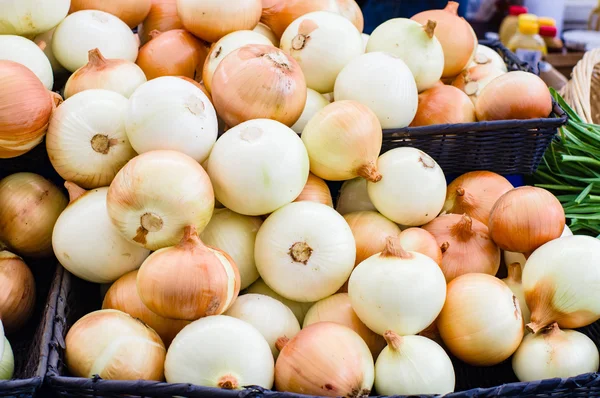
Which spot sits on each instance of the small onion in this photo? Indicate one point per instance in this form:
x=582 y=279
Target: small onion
x=420 y=241
x=299 y=309
x=26 y=52
x=314 y=103
x=315 y=190
x=44 y=41
x=353 y=196
x=7 y=362
x=17 y=292
x=514 y=282
x=473 y=80
x=162 y=17
x=132 y=12
x=264 y=30
x=443 y=105
x=485 y=55
x=31 y=17
x=512 y=257
x=114 y=346
x=258 y=81
x=29 y=208
x=370 y=230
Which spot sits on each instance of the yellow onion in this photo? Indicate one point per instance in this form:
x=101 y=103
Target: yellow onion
x=114 y=346
x=473 y=80
x=172 y=53
x=264 y=30
x=513 y=280
x=132 y=12
x=299 y=309
x=325 y=359
x=443 y=105
x=258 y=81
x=420 y=241
x=162 y=17
x=29 y=208
x=188 y=281
x=17 y=292
x=315 y=190
x=123 y=296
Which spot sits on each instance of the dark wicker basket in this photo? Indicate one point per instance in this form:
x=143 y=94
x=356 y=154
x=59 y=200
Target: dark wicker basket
x=505 y=147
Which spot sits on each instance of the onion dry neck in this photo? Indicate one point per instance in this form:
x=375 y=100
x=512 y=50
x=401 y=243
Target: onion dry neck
x=394 y=249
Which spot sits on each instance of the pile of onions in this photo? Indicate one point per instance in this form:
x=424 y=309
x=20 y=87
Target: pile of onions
x=270 y=170
x=235 y=234
x=413 y=365
x=420 y=241
x=343 y=141
x=162 y=17
x=454 y=33
x=44 y=41
x=87 y=244
x=212 y=19
x=123 y=296
x=525 y=218
x=171 y=113
x=7 y=361
x=315 y=190
x=264 y=30
x=258 y=81
x=27 y=108
x=555 y=353
x=299 y=309
x=560 y=282
x=26 y=52
x=220 y=351
x=314 y=103
x=338 y=309
x=527 y=97
x=513 y=280
x=114 y=345
x=485 y=55
x=27 y=18
x=29 y=208
x=481 y=321
x=413 y=188
x=17 y=292
x=443 y=105
x=415 y=44
x=475 y=193
x=397 y=290
x=325 y=359
x=382 y=82
x=473 y=80
x=311 y=36
x=116 y=75
x=132 y=12
x=188 y=281
x=86 y=139
x=156 y=195
x=172 y=53
x=513 y=257
x=305 y=251
x=353 y=196
x=93 y=29
x=270 y=317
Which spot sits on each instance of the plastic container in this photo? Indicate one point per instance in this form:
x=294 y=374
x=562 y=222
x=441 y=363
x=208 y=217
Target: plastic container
x=550 y=8
x=527 y=44
x=510 y=24
x=553 y=43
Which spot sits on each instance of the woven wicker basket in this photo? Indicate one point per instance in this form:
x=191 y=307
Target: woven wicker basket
x=582 y=92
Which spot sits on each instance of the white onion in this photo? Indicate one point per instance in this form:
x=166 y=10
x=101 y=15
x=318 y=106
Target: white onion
x=26 y=52
x=44 y=41
x=86 y=139
x=323 y=43
x=484 y=55
x=365 y=38
x=314 y=103
x=305 y=251
x=270 y=168
x=512 y=257
x=354 y=197
x=220 y=351
x=299 y=309
x=31 y=17
x=92 y=29
x=171 y=113
x=7 y=361
x=267 y=32
x=382 y=82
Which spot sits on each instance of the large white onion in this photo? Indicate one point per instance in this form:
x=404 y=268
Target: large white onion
x=270 y=168
x=299 y=309
x=31 y=17
x=171 y=113
x=26 y=52
x=7 y=361
x=384 y=83
x=305 y=251
x=354 y=197
x=93 y=29
x=44 y=41
x=323 y=43
x=314 y=103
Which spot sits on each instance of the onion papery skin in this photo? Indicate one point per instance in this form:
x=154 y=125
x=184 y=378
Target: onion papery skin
x=305 y=251
x=220 y=351
x=87 y=244
x=123 y=296
x=26 y=52
x=44 y=41
x=162 y=17
x=29 y=208
x=265 y=83
x=17 y=292
x=481 y=321
x=132 y=12
x=415 y=44
x=264 y=30
x=443 y=105
x=212 y=19
x=115 y=75
x=86 y=139
x=382 y=82
x=114 y=346
x=560 y=281
x=31 y=17
x=26 y=109
x=475 y=193
x=474 y=79
x=172 y=53
x=343 y=141
x=271 y=168
x=93 y=29
x=325 y=359
x=555 y=353
x=485 y=55
x=315 y=190
x=156 y=195
x=322 y=43
x=515 y=284
x=525 y=96
x=299 y=309
x=315 y=102
x=455 y=35
x=338 y=309
x=420 y=241
x=512 y=257
x=412 y=189
x=353 y=196
x=7 y=362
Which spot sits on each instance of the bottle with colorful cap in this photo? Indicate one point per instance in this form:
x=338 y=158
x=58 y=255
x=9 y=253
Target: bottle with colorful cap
x=527 y=43
x=550 y=36
x=510 y=24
